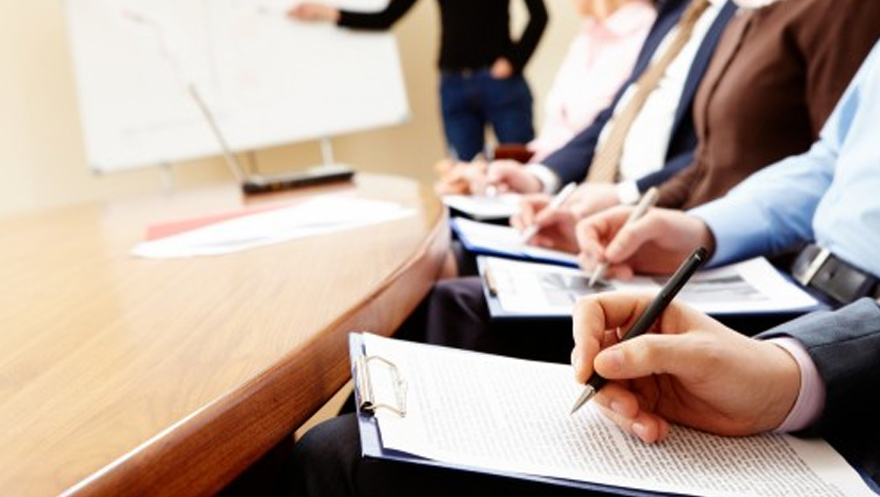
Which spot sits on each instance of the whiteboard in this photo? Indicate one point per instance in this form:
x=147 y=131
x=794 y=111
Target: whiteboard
x=268 y=80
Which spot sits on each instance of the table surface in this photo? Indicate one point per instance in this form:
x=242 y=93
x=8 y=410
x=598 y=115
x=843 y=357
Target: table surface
x=122 y=375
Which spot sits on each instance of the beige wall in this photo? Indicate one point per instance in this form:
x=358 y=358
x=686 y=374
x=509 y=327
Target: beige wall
x=42 y=160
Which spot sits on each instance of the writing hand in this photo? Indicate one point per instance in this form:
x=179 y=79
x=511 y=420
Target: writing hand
x=454 y=177
x=689 y=370
x=511 y=176
x=654 y=244
x=555 y=226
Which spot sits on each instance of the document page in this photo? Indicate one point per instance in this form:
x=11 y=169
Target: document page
x=492 y=238
x=534 y=289
x=503 y=414
x=483 y=207
x=316 y=216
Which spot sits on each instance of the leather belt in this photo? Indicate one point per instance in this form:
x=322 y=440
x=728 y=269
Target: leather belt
x=816 y=267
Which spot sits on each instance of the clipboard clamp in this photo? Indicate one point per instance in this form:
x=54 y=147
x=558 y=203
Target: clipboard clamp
x=365 y=386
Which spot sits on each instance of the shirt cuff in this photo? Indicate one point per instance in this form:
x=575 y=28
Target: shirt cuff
x=628 y=192
x=550 y=181
x=811 y=396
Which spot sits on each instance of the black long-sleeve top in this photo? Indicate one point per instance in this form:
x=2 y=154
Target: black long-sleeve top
x=474 y=33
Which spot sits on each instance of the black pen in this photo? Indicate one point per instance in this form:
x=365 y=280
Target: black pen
x=646 y=320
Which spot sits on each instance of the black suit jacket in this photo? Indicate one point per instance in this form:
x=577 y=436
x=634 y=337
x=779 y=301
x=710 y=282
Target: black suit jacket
x=845 y=346
x=571 y=162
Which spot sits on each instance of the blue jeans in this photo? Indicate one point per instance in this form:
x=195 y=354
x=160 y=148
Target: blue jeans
x=474 y=99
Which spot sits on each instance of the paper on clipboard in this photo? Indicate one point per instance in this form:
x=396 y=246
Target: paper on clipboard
x=530 y=289
x=500 y=415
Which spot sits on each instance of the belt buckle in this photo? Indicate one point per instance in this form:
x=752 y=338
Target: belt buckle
x=815 y=265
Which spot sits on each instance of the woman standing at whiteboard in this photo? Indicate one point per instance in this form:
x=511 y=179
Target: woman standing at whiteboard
x=481 y=67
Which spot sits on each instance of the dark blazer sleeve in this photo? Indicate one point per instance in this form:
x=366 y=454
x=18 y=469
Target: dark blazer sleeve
x=380 y=20
x=845 y=346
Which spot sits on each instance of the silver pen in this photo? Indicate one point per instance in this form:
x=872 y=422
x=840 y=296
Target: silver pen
x=557 y=200
x=646 y=202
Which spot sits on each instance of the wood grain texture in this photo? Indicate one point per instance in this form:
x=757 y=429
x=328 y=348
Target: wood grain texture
x=128 y=376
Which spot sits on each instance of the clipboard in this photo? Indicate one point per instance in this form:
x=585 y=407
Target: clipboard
x=491 y=290
x=735 y=294
x=371 y=437
x=502 y=241
x=813 y=464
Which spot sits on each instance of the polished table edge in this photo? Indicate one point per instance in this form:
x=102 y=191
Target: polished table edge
x=204 y=452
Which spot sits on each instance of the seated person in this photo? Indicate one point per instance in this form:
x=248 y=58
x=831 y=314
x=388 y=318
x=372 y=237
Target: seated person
x=822 y=198
x=598 y=61
x=713 y=379
x=679 y=58
x=796 y=95
x=808 y=376
x=458 y=315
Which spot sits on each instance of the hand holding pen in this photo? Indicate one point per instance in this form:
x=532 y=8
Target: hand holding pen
x=649 y=316
x=532 y=229
x=656 y=243
x=688 y=370
x=648 y=200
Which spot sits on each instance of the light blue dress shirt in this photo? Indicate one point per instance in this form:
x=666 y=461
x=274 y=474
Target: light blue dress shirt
x=830 y=194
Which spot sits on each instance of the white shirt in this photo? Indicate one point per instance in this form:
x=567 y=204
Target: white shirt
x=599 y=59
x=644 y=150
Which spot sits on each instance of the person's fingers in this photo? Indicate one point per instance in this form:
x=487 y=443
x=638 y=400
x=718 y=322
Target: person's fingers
x=588 y=263
x=594 y=232
x=529 y=206
x=526 y=215
x=500 y=172
x=548 y=217
x=593 y=315
x=588 y=329
x=630 y=238
x=649 y=354
x=622 y=408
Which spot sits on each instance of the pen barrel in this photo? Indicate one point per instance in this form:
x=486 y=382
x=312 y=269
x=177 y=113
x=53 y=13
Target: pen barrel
x=597 y=381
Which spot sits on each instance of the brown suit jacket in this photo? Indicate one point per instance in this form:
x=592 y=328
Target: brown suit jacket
x=773 y=81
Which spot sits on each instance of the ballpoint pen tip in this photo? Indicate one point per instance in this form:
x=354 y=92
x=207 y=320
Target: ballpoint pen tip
x=585 y=396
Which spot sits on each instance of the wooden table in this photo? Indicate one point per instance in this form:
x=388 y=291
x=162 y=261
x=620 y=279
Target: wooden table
x=129 y=376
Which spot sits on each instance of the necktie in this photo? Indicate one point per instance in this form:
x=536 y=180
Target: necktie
x=607 y=158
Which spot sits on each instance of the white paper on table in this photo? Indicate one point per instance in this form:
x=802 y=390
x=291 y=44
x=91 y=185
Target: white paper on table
x=316 y=216
x=485 y=207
